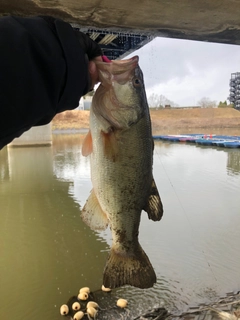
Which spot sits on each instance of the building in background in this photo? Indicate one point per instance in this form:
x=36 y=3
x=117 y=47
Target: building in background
x=85 y=103
x=234 y=96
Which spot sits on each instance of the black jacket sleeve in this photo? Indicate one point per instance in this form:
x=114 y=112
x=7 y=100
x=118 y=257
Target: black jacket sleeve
x=43 y=71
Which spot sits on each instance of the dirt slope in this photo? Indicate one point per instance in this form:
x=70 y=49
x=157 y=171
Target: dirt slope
x=75 y=119
x=195 y=118
x=165 y=118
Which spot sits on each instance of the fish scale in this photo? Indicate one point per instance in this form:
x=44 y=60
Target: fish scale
x=120 y=146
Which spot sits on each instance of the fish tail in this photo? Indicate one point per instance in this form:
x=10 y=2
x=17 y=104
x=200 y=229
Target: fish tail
x=133 y=269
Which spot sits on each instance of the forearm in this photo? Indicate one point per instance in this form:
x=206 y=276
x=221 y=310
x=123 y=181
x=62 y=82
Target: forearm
x=43 y=72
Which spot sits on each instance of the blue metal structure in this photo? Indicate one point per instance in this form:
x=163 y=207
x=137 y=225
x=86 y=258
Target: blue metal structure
x=201 y=139
x=116 y=45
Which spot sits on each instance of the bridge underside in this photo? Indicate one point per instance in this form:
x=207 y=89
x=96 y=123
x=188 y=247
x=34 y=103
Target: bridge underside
x=131 y=24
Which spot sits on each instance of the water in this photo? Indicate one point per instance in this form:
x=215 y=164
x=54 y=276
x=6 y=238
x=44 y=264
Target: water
x=47 y=253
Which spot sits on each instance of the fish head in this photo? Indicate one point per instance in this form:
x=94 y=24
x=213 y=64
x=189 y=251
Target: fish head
x=120 y=99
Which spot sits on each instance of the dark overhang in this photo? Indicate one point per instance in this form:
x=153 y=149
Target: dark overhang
x=116 y=45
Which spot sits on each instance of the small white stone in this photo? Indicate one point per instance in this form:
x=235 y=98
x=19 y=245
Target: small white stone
x=83 y=296
x=76 y=306
x=64 y=310
x=79 y=315
x=122 y=303
x=106 y=289
x=92 y=304
x=91 y=312
x=84 y=289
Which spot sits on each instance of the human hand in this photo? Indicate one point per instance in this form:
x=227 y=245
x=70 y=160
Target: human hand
x=94 y=54
x=90 y=47
x=93 y=72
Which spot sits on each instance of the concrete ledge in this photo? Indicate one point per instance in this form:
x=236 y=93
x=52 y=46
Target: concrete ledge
x=34 y=137
x=30 y=144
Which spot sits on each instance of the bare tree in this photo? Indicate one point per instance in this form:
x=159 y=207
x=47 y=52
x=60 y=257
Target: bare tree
x=153 y=101
x=159 y=101
x=207 y=103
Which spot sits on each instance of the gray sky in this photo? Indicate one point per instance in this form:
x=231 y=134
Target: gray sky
x=186 y=71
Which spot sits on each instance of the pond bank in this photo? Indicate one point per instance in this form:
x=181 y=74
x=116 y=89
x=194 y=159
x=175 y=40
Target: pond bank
x=162 y=120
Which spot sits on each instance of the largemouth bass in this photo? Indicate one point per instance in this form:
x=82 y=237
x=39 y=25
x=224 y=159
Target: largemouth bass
x=120 y=145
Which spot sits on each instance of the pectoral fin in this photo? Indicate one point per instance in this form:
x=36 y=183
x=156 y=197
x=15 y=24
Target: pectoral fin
x=154 y=207
x=93 y=215
x=87 y=147
x=110 y=145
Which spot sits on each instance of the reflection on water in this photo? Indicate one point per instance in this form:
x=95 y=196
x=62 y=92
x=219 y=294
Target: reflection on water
x=233 y=161
x=4 y=168
x=48 y=253
x=202 y=211
x=233 y=158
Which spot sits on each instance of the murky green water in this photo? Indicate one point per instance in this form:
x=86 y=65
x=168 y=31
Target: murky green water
x=47 y=253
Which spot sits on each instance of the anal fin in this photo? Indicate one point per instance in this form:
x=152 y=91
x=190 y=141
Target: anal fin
x=93 y=215
x=154 y=207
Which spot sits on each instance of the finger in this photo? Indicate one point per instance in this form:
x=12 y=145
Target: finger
x=92 y=67
x=93 y=73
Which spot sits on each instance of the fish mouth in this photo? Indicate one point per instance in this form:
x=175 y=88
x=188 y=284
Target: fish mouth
x=116 y=100
x=119 y=70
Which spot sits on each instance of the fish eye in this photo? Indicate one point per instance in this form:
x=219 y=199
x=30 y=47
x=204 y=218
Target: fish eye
x=137 y=82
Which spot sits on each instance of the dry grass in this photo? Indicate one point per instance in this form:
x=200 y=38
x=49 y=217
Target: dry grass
x=195 y=118
x=165 y=118
x=68 y=120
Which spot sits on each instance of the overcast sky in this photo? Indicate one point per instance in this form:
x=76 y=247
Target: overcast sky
x=185 y=71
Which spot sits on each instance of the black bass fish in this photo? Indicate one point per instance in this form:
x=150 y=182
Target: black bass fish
x=120 y=145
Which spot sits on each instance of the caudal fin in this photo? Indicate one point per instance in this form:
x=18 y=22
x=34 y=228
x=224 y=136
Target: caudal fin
x=133 y=269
